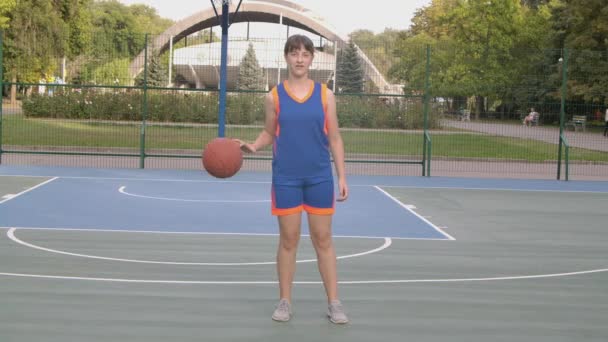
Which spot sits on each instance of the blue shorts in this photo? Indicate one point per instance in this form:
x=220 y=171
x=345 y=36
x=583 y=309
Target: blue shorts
x=314 y=197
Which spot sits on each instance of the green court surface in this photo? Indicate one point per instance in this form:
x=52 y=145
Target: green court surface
x=524 y=266
x=13 y=185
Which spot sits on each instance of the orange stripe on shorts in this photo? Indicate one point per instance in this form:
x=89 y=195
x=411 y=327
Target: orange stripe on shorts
x=319 y=211
x=288 y=211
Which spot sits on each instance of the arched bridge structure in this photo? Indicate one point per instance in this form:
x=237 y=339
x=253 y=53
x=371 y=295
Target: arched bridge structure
x=268 y=11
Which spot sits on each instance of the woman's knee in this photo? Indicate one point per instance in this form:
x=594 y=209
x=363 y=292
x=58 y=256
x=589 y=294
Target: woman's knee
x=321 y=240
x=289 y=241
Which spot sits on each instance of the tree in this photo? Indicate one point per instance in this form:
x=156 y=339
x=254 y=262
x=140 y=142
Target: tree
x=350 y=71
x=474 y=46
x=147 y=19
x=534 y=4
x=35 y=38
x=114 y=32
x=157 y=73
x=431 y=19
x=581 y=27
x=486 y=31
x=119 y=30
x=377 y=47
x=114 y=72
x=251 y=75
x=76 y=15
x=531 y=58
x=6 y=6
x=410 y=69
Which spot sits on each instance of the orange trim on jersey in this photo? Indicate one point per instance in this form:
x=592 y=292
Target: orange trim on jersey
x=305 y=98
x=288 y=211
x=277 y=109
x=319 y=211
x=324 y=102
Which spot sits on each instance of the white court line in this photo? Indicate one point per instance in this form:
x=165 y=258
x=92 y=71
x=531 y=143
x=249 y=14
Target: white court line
x=11 y=235
x=488 y=189
x=93 y=229
x=31 y=176
x=344 y=282
x=407 y=207
x=126 y=231
x=350 y=185
x=122 y=191
x=28 y=190
x=152 y=179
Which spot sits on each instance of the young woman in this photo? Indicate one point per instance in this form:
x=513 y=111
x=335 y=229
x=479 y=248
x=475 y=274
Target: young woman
x=302 y=126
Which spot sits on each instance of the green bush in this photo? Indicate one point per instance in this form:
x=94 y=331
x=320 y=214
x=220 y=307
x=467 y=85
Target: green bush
x=124 y=105
x=382 y=112
x=245 y=108
x=202 y=107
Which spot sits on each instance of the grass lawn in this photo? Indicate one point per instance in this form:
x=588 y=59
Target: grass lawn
x=20 y=131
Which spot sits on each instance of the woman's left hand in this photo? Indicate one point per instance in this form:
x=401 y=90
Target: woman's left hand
x=343 y=187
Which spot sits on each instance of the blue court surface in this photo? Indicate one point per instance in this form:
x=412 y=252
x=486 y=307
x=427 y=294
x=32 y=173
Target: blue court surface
x=191 y=202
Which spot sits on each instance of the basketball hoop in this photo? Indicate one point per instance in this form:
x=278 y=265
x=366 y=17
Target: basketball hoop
x=218 y=5
x=221 y=2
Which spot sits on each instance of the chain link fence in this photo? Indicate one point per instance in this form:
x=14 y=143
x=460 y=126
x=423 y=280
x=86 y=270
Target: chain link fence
x=154 y=104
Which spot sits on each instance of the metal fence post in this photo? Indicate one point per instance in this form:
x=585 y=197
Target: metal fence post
x=335 y=67
x=1 y=87
x=562 y=111
x=426 y=170
x=142 y=141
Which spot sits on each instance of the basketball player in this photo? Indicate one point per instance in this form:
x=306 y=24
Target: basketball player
x=302 y=126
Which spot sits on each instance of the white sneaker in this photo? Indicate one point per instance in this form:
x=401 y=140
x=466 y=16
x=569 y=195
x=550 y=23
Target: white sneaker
x=283 y=311
x=335 y=312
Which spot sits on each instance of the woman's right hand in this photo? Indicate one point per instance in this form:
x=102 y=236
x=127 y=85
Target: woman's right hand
x=246 y=147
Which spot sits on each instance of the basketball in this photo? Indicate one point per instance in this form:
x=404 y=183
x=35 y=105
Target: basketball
x=222 y=157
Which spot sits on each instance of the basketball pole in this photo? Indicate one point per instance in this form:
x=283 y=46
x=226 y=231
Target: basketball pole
x=223 y=70
x=225 y=24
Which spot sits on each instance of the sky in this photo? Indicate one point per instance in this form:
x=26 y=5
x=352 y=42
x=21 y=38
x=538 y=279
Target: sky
x=358 y=14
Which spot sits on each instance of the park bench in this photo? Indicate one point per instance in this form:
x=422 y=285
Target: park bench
x=577 y=121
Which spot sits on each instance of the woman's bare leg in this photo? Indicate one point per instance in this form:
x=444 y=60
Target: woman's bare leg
x=320 y=234
x=289 y=226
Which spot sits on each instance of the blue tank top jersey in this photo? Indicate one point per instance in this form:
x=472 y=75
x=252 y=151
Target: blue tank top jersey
x=301 y=146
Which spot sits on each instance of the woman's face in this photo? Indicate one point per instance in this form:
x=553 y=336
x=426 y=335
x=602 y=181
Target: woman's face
x=299 y=61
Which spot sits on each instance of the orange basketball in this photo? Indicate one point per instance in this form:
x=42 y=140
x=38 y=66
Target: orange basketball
x=222 y=157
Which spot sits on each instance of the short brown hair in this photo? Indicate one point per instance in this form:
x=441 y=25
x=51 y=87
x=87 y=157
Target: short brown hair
x=297 y=41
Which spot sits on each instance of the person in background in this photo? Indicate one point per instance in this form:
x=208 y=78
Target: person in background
x=531 y=117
